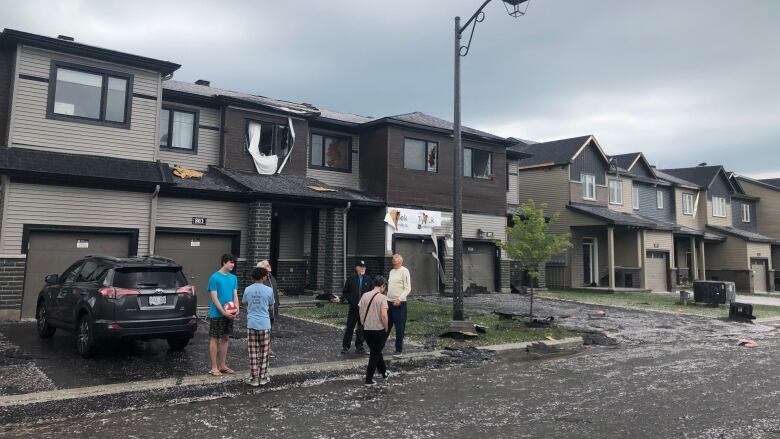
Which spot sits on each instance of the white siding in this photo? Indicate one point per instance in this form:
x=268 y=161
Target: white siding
x=67 y=206
x=349 y=180
x=221 y=215
x=208 y=142
x=513 y=194
x=32 y=129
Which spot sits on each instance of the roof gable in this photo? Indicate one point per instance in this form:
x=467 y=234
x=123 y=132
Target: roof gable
x=555 y=152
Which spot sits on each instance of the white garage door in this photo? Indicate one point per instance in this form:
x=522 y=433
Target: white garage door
x=656 y=267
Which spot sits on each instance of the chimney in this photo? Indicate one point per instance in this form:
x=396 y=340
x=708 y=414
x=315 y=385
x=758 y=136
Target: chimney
x=65 y=38
x=701 y=165
x=203 y=82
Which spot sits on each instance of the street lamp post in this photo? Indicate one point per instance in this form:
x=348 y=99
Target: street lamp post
x=513 y=8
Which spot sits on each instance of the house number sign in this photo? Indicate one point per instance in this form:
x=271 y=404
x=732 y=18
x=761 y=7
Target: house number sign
x=199 y=221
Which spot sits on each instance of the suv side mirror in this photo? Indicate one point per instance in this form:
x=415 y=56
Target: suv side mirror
x=52 y=279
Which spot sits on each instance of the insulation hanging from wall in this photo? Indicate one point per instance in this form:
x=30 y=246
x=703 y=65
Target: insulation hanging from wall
x=292 y=145
x=265 y=164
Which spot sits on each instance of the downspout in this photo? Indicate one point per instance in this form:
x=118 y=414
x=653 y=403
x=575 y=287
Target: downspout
x=153 y=218
x=344 y=233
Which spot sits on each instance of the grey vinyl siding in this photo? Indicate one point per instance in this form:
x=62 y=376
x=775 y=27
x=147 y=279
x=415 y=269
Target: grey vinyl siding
x=32 y=129
x=68 y=206
x=291 y=235
x=208 y=141
x=736 y=215
x=512 y=194
x=648 y=204
x=641 y=169
x=220 y=215
x=589 y=161
x=719 y=188
x=488 y=223
x=349 y=180
x=717 y=220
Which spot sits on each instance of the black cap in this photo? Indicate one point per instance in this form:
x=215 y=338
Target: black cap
x=360 y=263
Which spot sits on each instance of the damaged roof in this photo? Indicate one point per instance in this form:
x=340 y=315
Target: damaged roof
x=422 y=120
x=27 y=163
x=211 y=182
x=286 y=186
x=172 y=87
x=339 y=116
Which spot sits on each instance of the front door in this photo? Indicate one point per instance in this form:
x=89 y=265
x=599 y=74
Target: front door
x=589 y=261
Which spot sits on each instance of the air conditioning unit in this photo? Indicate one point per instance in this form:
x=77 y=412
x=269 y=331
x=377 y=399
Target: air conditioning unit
x=714 y=292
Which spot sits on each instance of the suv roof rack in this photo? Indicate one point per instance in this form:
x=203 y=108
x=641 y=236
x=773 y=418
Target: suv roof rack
x=110 y=258
x=160 y=258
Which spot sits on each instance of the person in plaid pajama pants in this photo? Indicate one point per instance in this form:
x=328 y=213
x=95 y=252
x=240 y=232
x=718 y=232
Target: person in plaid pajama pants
x=259 y=299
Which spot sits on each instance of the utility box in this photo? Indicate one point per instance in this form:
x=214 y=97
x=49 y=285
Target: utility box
x=714 y=292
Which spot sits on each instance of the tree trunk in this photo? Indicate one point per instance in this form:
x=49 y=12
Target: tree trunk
x=531 y=312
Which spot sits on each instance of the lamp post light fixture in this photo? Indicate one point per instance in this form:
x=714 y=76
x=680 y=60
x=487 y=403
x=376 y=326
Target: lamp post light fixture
x=515 y=8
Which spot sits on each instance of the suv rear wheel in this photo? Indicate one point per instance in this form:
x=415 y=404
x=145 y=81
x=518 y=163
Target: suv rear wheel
x=85 y=339
x=178 y=343
x=45 y=330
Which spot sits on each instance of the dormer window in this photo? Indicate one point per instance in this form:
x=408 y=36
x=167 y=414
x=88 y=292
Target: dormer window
x=719 y=207
x=89 y=95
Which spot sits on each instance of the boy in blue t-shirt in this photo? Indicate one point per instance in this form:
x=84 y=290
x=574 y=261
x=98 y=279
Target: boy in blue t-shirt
x=260 y=305
x=223 y=287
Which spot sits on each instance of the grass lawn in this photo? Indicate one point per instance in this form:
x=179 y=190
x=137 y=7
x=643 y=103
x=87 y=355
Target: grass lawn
x=654 y=301
x=425 y=318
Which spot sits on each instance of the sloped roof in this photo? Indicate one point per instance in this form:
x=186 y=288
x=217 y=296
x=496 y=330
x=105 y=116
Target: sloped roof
x=426 y=120
x=744 y=234
x=28 y=163
x=292 y=186
x=555 y=152
x=626 y=160
x=218 y=94
x=707 y=235
x=772 y=181
x=620 y=218
x=702 y=176
x=212 y=181
x=343 y=117
x=674 y=179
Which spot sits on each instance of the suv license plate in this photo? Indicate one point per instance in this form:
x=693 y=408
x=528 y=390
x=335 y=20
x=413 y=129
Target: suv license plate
x=156 y=300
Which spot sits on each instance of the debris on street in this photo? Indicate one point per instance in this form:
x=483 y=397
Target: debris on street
x=748 y=343
x=598 y=339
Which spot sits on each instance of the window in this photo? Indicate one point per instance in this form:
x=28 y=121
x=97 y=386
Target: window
x=330 y=152
x=745 y=213
x=69 y=275
x=92 y=272
x=687 y=203
x=635 y=198
x=659 y=199
x=719 y=207
x=421 y=155
x=588 y=186
x=271 y=139
x=615 y=192
x=89 y=95
x=178 y=129
x=477 y=163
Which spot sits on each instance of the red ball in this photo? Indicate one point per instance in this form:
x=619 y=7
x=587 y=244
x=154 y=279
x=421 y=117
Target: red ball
x=231 y=307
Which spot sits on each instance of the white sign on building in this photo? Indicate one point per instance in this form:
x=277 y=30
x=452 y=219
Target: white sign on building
x=413 y=221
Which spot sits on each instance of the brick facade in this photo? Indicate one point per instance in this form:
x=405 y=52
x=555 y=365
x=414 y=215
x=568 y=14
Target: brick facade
x=375 y=265
x=258 y=242
x=333 y=263
x=11 y=287
x=291 y=274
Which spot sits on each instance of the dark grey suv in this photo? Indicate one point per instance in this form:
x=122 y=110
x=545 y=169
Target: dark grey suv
x=102 y=297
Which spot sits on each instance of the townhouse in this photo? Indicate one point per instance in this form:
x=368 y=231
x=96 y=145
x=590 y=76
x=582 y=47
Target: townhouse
x=95 y=145
x=601 y=205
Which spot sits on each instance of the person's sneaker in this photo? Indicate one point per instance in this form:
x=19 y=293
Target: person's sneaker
x=397 y=354
x=369 y=383
x=386 y=375
x=271 y=354
x=360 y=351
x=264 y=381
x=254 y=382
x=344 y=351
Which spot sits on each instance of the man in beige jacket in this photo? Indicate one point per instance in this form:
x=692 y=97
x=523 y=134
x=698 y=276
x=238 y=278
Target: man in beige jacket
x=399 y=285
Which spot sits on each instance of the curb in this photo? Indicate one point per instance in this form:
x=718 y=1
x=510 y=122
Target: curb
x=341 y=328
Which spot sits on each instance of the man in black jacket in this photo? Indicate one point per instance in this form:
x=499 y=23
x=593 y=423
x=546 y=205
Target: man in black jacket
x=354 y=287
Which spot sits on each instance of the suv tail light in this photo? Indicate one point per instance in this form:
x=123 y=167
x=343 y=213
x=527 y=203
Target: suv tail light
x=113 y=293
x=187 y=289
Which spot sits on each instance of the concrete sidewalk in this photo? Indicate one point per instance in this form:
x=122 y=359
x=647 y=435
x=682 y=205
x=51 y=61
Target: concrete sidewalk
x=771 y=300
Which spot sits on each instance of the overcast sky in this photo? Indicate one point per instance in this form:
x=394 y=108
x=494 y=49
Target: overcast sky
x=683 y=81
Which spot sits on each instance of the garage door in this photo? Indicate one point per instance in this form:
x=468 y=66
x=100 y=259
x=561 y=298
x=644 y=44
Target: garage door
x=53 y=252
x=759 y=275
x=198 y=254
x=479 y=265
x=656 y=267
x=418 y=258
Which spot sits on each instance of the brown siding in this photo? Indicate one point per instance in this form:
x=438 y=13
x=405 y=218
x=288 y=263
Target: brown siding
x=683 y=219
x=235 y=156
x=767 y=209
x=602 y=194
x=373 y=161
x=7 y=59
x=434 y=189
x=728 y=255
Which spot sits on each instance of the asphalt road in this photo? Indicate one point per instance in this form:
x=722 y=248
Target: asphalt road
x=669 y=376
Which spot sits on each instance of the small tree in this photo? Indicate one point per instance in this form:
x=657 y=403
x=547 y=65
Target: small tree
x=529 y=243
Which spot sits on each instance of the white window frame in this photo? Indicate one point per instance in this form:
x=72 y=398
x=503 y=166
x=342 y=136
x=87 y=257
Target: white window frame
x=618 y=186
x=659 y=199
x=746 y=213
x=687 y=208
x=719 y=207
x=635 y=198
x=588 y=181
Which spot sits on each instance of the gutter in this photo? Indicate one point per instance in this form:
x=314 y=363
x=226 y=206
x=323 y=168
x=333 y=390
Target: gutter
x=153 y=218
